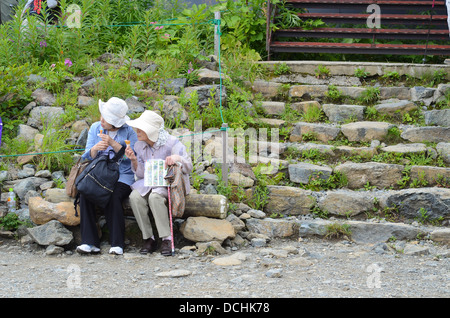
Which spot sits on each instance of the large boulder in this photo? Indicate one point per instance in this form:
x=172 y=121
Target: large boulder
x=203 y=229
x=42 y=211
x=51 y=233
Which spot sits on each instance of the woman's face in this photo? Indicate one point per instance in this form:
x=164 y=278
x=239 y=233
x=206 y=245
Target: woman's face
x=142 y=136
x=105 y=125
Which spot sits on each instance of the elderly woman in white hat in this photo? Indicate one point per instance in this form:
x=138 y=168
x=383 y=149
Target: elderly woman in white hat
x=105 y=135
x=154 y=142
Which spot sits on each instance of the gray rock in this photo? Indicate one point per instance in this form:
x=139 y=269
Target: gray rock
x=274 y=273
x=366 y=130
x=84 y=101
x=54 y=250
x=24 y=186
x=135 y=106
x=204 y=94
x=313 y=227
x=174 y=273
x=444 y=150
x=272 y=228
x=172 y=86
x=416 y=250
x=322 y=132
x=258 y=242
x=266 y=88
x=373 y=173
x=421 y=134
x=273 y=108
x=438 y=117
x=419 y=92
x=405 y=148
x=372 y=232
x=346 y=203
x=302 y=172
x=394 y=108
x=51 y=115
x=27 y=133
x=289 y=200
x=26 y=172
x=43 y=97
x=51 y=233
x=82 y=138
x=341 y=113
x=436 y=202
x=35 y=79
x=172 y=109
x=256 y=214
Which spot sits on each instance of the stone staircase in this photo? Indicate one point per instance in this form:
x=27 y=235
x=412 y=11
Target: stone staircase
x=347 y=165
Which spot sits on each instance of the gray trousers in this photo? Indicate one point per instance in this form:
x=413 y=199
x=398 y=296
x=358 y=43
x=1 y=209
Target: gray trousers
x=154 y=203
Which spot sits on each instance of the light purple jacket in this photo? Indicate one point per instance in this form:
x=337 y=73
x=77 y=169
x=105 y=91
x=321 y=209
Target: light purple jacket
x=143 y=151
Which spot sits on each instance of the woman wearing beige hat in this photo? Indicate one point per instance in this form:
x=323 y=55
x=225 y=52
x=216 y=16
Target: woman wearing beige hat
x=154 y=142
x=105 y=135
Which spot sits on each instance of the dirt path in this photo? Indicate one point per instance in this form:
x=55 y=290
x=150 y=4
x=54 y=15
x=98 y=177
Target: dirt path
x=309 y=268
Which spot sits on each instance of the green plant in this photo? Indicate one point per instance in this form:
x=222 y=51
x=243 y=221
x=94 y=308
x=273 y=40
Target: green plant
x=333 y=94
x=10 y=222
x=322 y=71
x=370 y=95
x=361 y=73
x=313 y=114
x=320 y=213
x=337 y=230
x=281 y=69
x=391 y=77
x=393 y=135
x=55 y=144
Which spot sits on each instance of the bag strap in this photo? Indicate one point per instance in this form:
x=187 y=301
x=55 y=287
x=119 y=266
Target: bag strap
x=119 y=155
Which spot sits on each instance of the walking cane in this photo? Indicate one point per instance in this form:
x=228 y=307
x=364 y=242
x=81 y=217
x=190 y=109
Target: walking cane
x=170 y=220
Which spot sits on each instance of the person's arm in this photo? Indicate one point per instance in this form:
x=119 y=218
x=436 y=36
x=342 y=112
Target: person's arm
x=179 y=154
x=93 y=144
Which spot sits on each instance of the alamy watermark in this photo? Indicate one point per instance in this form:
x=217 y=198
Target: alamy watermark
x=74 y=278
x=239 y=145
x=374 y=279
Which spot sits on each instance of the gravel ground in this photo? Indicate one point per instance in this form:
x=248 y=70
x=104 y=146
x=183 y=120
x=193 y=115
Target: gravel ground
x=282 y=269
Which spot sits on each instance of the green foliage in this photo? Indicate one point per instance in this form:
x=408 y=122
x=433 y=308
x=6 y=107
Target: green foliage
x=361 y=73
x=14 y=95
x=10 y=222
x=334 y=94
x=370 y=95
x=337 y=230
x=281 y=69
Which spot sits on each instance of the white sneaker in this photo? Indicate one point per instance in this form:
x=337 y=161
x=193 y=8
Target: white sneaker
x=117 y=250
x=87 y=249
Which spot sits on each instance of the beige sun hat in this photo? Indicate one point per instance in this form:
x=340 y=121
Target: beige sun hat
x=149 y=122
x=114 y=111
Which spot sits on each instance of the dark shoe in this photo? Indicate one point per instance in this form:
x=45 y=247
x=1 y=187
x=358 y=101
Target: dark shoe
x=166 y=248
x=149 y=246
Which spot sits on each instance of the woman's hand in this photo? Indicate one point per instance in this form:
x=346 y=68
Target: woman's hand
x=130 y=154
x=101 y=146
x=173 y=159
x=107 y=139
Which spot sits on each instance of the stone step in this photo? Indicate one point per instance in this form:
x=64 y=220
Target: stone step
x=409 y=204
x=363 y=232
x=340 y=68
x=274 y=89
x=373 y=174
x=366 y=131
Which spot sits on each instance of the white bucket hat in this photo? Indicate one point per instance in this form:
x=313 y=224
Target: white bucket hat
x=114 y=111
x=149 y=122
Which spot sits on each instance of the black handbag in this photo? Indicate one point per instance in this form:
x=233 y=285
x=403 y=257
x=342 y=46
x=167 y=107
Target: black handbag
x=98 y=180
